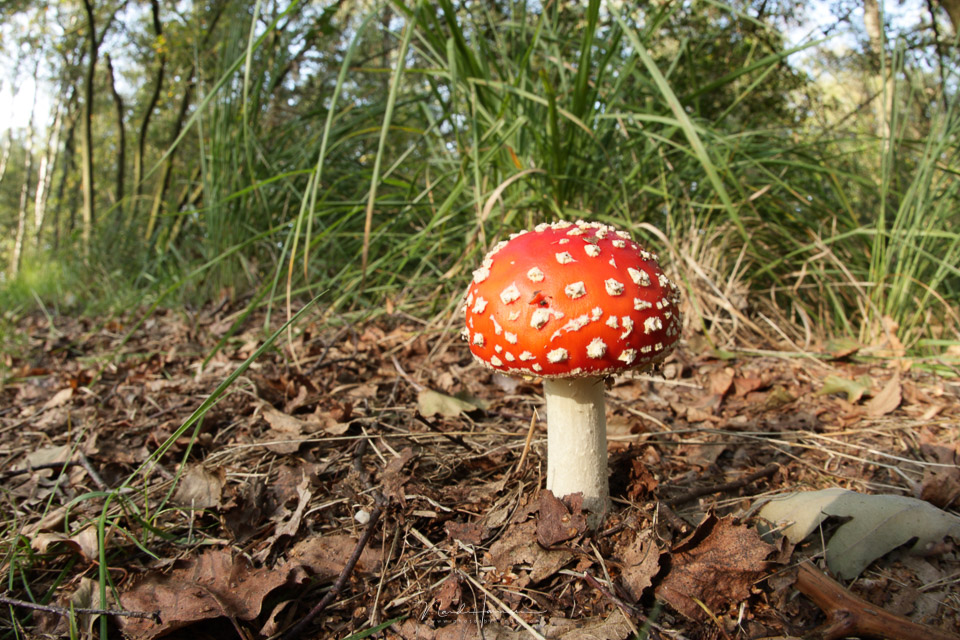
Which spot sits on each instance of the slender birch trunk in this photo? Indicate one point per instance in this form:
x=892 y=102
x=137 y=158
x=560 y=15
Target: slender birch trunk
x=86 y=131
x=5 y=154
x=45 y=174
x=17 y=254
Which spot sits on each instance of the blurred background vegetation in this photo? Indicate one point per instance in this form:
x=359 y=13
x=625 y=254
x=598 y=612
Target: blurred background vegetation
x=795 y=164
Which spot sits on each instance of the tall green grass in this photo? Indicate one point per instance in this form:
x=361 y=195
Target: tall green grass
x=391 y=162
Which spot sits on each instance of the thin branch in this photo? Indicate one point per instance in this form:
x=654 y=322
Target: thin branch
x=726 y=487
x=12 y=473
x=341 y=579
x=627 y=608
x=849 y=615
x=63 y=611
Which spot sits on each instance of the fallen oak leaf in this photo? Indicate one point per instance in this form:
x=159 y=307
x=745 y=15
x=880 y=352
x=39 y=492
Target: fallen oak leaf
x=214 y=584
x=393 y=477
x=464 y=532
x=59 y=399
x=557 y=522
x=887 y=399
x=431 y=403
x=640 y=560
x=218 y=583
x=325 y=556
x=518 y=545
x=286 y=432
x=86 y=542
x=716 y=565
x=200 y=488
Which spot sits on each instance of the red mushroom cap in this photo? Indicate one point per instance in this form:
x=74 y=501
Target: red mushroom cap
x=569 y=300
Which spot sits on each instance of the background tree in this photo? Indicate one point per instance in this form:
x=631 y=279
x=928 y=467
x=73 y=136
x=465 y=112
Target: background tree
x=300 y=142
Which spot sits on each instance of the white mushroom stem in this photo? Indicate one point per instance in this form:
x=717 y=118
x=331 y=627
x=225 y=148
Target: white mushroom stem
x=577 y=440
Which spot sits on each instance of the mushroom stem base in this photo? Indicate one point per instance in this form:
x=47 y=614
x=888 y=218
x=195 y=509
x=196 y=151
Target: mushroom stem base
x=577 y=441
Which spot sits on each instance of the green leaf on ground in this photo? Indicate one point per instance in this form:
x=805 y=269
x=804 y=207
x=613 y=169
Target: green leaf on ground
x=877 y=525
x=855 y=389
x=430 y=403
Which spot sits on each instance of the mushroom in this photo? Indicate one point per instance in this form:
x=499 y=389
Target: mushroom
x=572 y=303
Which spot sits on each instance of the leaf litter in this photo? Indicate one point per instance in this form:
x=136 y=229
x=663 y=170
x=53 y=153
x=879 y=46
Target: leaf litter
x=242 y=526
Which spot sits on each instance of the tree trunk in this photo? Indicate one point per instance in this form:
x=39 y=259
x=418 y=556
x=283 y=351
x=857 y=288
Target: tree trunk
x=86 y=132
x=953 y=11
x=148 y=110
x=163 y=183
x=69 y=153
x=45 y=175
x=5 y=154
x=17 y=254
x=121 y=130
x=873 y=24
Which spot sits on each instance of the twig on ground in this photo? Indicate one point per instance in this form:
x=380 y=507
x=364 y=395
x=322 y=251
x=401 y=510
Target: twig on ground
x=526 y=444
x=627 y=608
x=381 y=502
x=63 y=611
x=12 y=473
x=693 y=494
x=341 y=579
x=406 y=376
x=94 y=476
x=850 y=615
x=672 y=520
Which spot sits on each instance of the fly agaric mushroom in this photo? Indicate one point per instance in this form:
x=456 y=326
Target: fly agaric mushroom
x=572 y=303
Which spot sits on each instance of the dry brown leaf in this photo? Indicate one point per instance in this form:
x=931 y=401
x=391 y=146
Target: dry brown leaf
x=326 y=421
x=558 y=522
x=85 y=542
x=273 y=626
x=466 y=627
x=716 y=565
x=518 y=545
x=86 y=596
x=290 y=525
x=46 y=455
x=200 y=488
x=218 y=583
x=743 y=385
x=212 y=585
x=393 y=478
x=325 y=556
x=447 y=597
x=285 y=432
x=467 y=532
x=612 y=627
x=641 y=562
x=59 y=399
x=941 y=484
x=642 y=483
x=886 y=400
x=721 y=380
x=431 y=403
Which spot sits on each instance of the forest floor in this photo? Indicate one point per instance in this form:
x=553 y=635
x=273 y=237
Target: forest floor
x=386 y=444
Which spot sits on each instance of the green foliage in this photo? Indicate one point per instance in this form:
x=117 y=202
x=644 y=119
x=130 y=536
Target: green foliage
x=376 y=150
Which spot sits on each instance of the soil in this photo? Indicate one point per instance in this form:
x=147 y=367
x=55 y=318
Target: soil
x=377 y=467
